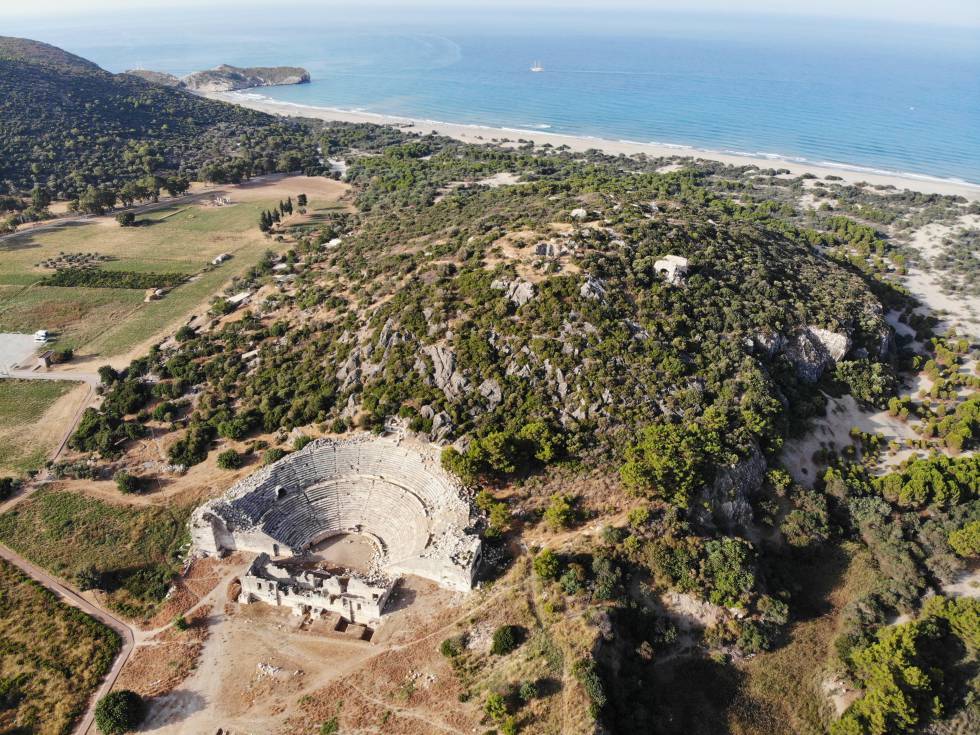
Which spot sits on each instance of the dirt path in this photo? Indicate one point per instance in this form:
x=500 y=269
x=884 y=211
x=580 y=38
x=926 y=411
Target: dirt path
x=71 y=597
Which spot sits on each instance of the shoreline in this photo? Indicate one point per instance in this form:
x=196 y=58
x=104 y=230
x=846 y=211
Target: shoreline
x=478 y=134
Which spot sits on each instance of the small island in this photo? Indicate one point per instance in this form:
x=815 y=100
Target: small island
x=227 y=78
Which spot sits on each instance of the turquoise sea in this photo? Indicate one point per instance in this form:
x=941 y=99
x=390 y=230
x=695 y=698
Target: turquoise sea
x=884 y=97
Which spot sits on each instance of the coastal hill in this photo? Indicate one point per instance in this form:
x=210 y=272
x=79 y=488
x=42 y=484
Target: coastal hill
x=227 y=78
x=36 y=52
x=66 y=123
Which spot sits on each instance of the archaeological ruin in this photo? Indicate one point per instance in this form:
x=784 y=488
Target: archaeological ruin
x=389 y=490
x=316 y=592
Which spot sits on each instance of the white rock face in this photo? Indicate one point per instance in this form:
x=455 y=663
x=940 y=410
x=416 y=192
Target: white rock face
x=518 y=291
x=816 y=349
x=593 y=288
x=672 y=268
x=834 y=343
x=579 y=214
x=445 y=376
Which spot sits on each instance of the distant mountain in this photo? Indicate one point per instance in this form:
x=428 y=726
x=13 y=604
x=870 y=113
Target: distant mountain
x=65 y=124
x=227 y=78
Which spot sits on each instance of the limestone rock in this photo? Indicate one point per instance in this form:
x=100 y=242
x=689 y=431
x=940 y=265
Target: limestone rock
x=518 y=291
x=490 y=389
x=593 y=288
x=814 y=350
x=728 y=496
x=672 y=268
x=445 y=376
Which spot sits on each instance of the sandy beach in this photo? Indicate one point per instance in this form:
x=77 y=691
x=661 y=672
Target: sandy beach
x=482 y=134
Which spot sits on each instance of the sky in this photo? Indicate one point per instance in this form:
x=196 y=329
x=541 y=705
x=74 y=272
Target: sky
x=934 y=12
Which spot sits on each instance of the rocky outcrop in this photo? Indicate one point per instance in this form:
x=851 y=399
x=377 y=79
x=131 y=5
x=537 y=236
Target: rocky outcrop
x=444 y=376
x=227 y=78
x=518 y=291
x=726 y=502
x=816 y=349
x=593 y=288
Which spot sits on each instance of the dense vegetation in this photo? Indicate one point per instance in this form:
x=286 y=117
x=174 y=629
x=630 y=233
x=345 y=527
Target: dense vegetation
x=98 y=278
x=75 y=130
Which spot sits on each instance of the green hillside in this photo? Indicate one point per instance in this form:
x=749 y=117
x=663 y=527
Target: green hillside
x=65 y=124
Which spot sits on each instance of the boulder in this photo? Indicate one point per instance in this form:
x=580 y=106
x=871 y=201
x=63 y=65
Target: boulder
x=727 y=498
x=816 y=349
x=593 y=288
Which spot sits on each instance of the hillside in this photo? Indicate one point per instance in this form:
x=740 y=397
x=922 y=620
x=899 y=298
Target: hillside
x=531 y=330
x=226 y=78
x=66 y=124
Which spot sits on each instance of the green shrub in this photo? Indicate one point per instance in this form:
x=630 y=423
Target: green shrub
x=229 y=460
x=126 y=482
x=547 y=565
x=560 y=512
x=452 y=647
x=966 y=541
x=119 y=712
x=505 y=639
x=274 y=454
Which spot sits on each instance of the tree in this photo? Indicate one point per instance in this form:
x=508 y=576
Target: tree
x=547 y=565
x=966 y=541
x=560 y=512
x=108 y=375
x=176 y=185
x=229 y=460
x=126 y=219
x=96 y=200
x=40 y=198
x=505 y=639
x=670 y=461
x=127 y=483
x=301 y=200
x=119 y=712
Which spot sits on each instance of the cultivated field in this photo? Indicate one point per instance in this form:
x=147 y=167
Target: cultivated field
x=99 y=323
x=33 y=414
x=44 y=688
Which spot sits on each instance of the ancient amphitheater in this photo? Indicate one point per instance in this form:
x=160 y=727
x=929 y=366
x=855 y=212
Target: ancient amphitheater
x=391 y=491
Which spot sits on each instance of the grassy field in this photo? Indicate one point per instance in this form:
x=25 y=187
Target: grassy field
x=106 y=322
x=130 y=550
x=22 y=403
x=52 y=657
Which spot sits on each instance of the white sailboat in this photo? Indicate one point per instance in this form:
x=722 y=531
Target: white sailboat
x=537 y=66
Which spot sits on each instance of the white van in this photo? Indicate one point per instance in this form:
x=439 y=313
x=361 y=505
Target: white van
x=41 y=335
